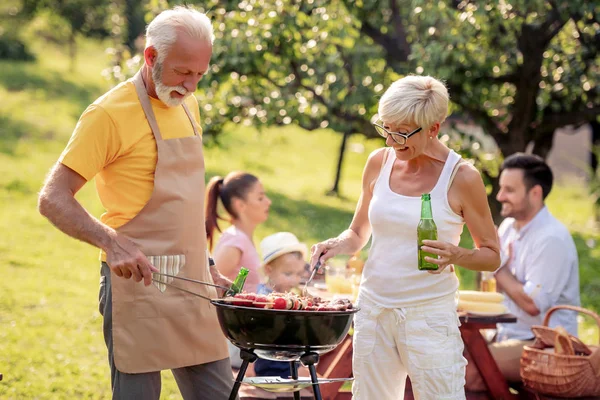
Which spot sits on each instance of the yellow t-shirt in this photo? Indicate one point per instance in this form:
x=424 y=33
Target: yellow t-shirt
x=114 y=143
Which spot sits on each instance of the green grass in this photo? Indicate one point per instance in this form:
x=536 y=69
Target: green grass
x=51 y=346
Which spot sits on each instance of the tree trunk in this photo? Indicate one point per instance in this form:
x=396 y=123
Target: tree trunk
x=595 y=146
x=543 y=144
x=495 y=205
x=594 y=172
x=72 y=51
x=335 y=190
x=134 y=13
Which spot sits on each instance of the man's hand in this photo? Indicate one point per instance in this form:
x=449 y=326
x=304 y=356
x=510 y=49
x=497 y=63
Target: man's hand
x=126 y=260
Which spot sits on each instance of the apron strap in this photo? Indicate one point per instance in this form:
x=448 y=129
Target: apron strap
x=189 y=114
x=142 y=93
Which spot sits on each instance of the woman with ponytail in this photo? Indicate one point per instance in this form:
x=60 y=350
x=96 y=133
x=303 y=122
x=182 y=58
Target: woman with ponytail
x=244 y=199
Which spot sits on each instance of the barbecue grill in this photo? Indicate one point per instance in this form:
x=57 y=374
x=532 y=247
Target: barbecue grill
x=282 y=335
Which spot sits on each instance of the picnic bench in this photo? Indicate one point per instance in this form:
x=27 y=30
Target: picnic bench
x=477 y=346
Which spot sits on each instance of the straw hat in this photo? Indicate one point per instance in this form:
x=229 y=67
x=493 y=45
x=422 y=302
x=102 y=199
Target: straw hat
x=279 y=244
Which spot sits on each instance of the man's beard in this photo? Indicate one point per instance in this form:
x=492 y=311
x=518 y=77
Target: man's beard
x=520 y=213
x=163 y=91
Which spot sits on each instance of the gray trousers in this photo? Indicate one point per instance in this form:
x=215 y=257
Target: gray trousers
x=210 y=381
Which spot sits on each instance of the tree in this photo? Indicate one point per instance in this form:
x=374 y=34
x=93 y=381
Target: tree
x=520 y=69
x=279 y=63
x=85 y=17
x=134 y=17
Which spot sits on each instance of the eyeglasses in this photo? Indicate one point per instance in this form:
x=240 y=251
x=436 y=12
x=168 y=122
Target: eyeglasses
x=398 y=137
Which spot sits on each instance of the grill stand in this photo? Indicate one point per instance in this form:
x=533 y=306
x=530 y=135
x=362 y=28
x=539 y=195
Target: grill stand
x=308 y=359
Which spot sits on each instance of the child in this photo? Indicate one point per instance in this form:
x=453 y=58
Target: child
x=284 y=267
x=283 y=262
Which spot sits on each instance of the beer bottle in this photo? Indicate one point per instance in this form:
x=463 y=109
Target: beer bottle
x=426 y=230
x=238 y=283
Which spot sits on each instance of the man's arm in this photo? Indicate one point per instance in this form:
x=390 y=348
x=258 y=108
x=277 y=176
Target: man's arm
x=544 y=277
x=58 y=204
x=514 y=289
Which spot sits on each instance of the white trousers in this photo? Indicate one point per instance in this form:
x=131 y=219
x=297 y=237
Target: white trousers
x=422 y=342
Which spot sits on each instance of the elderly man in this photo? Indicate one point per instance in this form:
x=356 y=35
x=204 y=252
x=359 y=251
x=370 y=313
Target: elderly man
x=539 y=266
x=141 y=141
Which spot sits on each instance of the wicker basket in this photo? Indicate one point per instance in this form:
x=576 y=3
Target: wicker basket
x=561 y=375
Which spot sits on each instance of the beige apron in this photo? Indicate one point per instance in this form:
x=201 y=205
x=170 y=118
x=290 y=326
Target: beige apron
x=157 y=327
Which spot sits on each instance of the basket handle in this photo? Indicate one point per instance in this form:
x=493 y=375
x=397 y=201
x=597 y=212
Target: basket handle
x=573 y=308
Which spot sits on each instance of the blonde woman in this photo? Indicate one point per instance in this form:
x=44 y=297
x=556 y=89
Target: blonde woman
x=408 y=323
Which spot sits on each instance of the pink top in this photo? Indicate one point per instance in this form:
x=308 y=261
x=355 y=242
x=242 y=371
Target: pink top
x=232 y=237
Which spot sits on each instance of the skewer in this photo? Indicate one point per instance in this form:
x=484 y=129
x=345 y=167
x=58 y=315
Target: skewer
x=190 y=280
x=182 y=289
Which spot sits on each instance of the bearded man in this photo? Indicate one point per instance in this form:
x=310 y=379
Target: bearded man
x=142 y=143
x=539 y=267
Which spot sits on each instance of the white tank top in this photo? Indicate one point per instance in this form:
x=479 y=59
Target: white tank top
x=390 y=277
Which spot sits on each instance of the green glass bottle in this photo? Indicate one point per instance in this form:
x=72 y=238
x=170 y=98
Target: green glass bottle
x=426 y=230
x=238 y=284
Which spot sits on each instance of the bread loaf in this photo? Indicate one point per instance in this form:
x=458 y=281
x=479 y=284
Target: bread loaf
x=562 y=342
x=485 y=297
x=481 y=307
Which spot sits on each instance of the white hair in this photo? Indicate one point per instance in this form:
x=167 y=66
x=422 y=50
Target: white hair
x=416 y=100
x=161 y=33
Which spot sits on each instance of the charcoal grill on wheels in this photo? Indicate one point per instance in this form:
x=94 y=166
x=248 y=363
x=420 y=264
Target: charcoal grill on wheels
x=282 y=335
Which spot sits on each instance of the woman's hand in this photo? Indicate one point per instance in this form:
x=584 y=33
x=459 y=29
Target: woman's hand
x=324 y=251
x=448 y=254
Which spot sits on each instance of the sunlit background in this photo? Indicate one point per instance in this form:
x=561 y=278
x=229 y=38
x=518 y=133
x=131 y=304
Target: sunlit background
x=291 y=91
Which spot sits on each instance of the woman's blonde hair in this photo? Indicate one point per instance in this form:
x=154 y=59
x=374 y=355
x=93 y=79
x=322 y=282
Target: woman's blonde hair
x=414 y=100
x=161 y=33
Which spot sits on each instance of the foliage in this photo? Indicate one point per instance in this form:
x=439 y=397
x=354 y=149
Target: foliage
x=12 y=45
x=519 y=68
x=65 y=20
x=86 y=17
x=13 y=48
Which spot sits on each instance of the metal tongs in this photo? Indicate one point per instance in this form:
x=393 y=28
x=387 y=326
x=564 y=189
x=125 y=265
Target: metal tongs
x=312 y=275
x=188 y=280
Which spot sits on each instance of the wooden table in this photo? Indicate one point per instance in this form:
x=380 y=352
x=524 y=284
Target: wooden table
x=477 y=347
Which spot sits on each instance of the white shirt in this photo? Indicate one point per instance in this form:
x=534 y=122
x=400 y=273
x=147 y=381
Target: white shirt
x=391 y=278
x=544 y=260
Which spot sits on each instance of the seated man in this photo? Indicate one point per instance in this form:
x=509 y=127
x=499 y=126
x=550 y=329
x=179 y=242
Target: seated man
x=539 y=267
